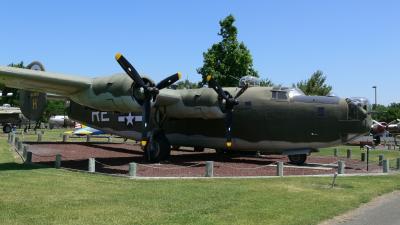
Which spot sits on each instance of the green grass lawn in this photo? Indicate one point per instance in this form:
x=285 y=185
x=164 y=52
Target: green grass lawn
x=391 y=155
x=40 y=195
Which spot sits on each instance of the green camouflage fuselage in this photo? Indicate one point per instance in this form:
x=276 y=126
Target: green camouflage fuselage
x=262 y=121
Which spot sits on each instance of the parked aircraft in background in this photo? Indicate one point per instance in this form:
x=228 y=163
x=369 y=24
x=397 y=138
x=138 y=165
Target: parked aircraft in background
x=380 y=129
x=84 y=130
x=272 y=120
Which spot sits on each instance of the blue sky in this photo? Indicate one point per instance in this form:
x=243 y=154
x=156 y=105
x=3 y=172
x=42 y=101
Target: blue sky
x=355 y=43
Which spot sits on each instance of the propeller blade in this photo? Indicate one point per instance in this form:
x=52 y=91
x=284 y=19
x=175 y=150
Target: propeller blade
x=129 y=69
x=217 y=88
x=168 y=81
x=145 y=122
x=244 y=88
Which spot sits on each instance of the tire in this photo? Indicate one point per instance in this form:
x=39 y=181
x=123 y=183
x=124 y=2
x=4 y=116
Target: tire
x=158 y=147
x=7 y=128
x=377 y=139
x=297 y=159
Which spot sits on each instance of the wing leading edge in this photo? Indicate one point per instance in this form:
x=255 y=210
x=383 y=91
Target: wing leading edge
x=45 y=82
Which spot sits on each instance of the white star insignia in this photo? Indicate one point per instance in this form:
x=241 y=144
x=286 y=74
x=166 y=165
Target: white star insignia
x=129 y=119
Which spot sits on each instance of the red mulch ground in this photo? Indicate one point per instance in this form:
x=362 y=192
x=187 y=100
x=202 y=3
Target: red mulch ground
x=114 y=159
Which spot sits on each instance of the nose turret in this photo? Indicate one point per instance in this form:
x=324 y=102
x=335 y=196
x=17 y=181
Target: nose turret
x=359 y=109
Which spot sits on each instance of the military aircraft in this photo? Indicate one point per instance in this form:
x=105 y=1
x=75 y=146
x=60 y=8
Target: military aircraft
x=380 y=129
x=271 y=120
x=84 y=131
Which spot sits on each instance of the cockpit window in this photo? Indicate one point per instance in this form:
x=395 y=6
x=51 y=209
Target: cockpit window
x=295 y=92
x=280 y=95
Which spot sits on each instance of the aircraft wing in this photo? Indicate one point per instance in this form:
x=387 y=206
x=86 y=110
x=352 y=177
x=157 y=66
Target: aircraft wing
x=45 y=82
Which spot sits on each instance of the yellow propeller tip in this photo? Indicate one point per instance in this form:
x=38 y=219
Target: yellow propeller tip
x=228 y=144
x=143 y=143
x=179 y=75
x=208 y=78
x=117 y=56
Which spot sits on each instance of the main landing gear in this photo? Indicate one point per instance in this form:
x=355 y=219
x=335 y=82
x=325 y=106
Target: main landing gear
x=158 y=147
x=298 y=159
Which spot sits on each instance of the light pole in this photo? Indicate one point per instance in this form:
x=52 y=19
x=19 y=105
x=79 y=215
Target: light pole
x=374 y=87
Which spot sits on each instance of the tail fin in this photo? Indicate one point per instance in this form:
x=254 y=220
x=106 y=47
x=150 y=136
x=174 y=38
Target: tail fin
x=33 y=104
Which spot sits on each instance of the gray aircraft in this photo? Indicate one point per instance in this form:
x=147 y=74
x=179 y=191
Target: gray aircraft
x=271 y=120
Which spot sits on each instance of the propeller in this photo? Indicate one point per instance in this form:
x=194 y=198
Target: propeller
x=229 y=102
x=148 y=92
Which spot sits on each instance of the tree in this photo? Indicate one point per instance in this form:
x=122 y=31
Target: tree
x=387 y=113
x=186 y=84
x=227 y=60
x=266 y=83
x=315 y=85
x=54 y=107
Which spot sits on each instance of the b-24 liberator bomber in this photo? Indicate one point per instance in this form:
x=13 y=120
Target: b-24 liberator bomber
x=271 y=120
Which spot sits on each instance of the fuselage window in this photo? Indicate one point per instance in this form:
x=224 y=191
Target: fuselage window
x=280 y=95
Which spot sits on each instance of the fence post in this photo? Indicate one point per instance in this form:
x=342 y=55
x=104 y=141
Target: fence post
x=39 y=137
x=341 y=167
x=349 y=153
x=16 y=140
x=380 y=160
x=12 y=141
x=209 y=169
x=25 y=151
x=335 y=152
x=279 y=169
x=57 y=163
x=362 y=156
x=65 y=137
x=88 y=138
x=92 y=165
x=19 y=146
x=385 y=163
x=28 y=157
x=132 y=169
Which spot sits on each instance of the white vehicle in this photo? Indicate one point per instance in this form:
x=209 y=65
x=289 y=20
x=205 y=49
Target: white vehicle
x=60 y=121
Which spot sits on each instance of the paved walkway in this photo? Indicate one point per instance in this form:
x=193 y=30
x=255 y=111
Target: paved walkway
x=384 y=210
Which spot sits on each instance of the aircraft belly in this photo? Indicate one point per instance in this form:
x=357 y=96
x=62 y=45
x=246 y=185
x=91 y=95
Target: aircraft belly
x=270 y=146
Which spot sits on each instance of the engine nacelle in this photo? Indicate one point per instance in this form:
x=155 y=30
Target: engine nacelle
x=114 y=93
x=394 y=128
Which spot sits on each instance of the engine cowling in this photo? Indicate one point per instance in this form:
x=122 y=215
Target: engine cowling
x=113 y=93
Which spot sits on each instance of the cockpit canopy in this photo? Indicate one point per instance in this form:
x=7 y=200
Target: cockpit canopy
x=249 y=80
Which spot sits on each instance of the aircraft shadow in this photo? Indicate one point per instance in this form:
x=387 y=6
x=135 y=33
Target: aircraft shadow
x=18 y=166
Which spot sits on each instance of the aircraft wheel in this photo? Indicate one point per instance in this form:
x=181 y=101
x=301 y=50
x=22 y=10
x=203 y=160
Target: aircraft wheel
x=298 y=159
x=158 y=147
x=7 y=128
x=377 y=140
